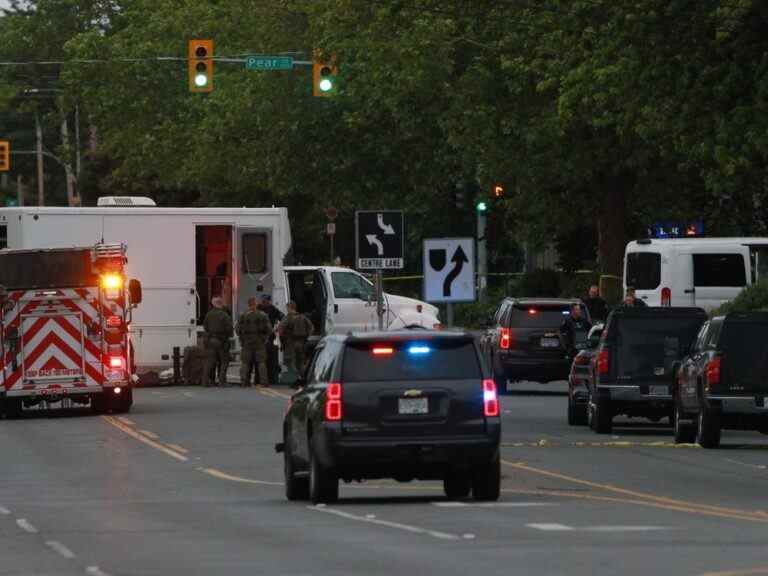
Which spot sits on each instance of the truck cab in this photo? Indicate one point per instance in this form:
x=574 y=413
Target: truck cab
x=338 y=300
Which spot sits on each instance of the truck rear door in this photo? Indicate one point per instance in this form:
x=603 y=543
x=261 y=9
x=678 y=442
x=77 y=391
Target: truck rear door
x=744 y=358
x=412 y=388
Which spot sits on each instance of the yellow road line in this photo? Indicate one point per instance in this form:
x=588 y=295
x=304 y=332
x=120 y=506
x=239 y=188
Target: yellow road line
x=748 y=572
x=658 y=501
x=177 y=448
x=224 y=476
x=144 y=439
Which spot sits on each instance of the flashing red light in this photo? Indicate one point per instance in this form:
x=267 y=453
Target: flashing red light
x=383 y=350
x=116 y=362
x=114 y=321
x=333 y=409
x=532 y=311
x=666 y=296
x=713 y=371
x=506 y=339
x=603 y=362
x=490 y=398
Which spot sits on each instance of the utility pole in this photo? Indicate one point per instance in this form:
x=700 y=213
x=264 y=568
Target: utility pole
x=67 y=163
x=19 y=191
x=40 y=185
x=482 y=255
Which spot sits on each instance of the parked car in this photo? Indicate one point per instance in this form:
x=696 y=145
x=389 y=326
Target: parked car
x=581 y=372
x=408 y=405
x=638 y=354
x=522 y=340
x=723 y=382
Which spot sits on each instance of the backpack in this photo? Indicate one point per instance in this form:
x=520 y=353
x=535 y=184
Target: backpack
x=300 y=328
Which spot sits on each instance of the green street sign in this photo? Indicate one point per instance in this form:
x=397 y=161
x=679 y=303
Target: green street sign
x=269 y=63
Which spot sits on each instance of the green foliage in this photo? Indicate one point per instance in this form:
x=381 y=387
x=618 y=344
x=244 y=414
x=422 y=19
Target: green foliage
x=540 y=283
x=754 y=297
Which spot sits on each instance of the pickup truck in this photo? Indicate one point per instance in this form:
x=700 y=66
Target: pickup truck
x=340 y=300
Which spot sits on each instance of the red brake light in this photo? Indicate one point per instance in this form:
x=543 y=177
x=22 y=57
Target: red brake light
x=383 y=350
x=490 y=398
x=506 y=339
x=532 y=311
x=666 y=297
x=602 y=362
x=713 y=371
x=333 y=410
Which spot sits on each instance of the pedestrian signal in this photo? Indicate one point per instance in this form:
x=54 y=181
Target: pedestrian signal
x=5 y=155
x=324 y=74
x=200 y=65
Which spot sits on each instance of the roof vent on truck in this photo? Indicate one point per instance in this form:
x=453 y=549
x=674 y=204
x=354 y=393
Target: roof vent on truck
x=125 y=201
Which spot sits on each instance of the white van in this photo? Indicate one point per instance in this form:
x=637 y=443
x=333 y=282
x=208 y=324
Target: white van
x=703 y=272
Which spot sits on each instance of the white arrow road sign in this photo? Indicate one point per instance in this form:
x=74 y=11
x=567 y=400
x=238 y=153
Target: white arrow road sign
x=386 y=228
x=449 y=270
x=374 y=241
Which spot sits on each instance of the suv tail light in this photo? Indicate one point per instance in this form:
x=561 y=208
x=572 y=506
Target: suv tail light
x=506 y=339
x=333 y=409
x=713 y=371
x=666 y=297
x=490 y=398
x=603 y=359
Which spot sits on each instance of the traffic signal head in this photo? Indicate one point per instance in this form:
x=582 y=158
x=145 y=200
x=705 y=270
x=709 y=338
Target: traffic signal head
x=481 y=206
x=498 y=191
x=200 y=65
x=324 y=75
x=5 y=155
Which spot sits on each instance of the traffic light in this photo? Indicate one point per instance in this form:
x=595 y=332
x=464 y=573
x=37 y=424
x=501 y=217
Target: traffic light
x=5 y=155
x=481 y=206
x=498 y=191
x=200 y=65
x=324 y=74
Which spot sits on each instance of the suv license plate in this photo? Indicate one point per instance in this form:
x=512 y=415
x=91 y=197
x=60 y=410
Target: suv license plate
x=550 y=342
x=412 y=405
x=658 y=390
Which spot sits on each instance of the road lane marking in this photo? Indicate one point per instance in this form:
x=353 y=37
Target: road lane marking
x=24 y=524
x=386 y=523
x=625 y=528
x=179 y=449
x=657 y=501
x=188 y=394
x=747 y=464
x=95 y=571
x=149 y=434
x=141 y=438
x=550 y=527
x=125 y=420
x=492 y=504
x=4 y=511
x=224 y=476
x=747 y=572
x=60 y=549
x=546 y=443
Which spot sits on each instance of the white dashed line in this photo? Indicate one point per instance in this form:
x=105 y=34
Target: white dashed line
x=626 y=528
x=60 y=549
x=755 y=466
x=550 y=527
x=492 y=504
x=468 y=536
x=188 y=394
x=95 y=571
x=4 y=511
x=386 y=523
x=26 y=526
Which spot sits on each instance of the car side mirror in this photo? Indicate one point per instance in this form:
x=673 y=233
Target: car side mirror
x=134 y=291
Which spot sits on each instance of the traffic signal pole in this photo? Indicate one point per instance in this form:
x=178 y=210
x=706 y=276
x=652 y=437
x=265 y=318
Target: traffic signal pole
x=482 y=257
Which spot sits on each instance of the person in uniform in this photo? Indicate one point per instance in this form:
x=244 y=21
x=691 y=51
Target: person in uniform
x=295 y=330
x=275 y=316
x=253 y=329
x=574 y=330
x=218 y=330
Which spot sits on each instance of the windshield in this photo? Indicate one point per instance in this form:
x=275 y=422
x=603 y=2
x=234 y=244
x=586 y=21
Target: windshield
x=643 y=270
x=648 y=346
x=69 y=269
x=411 y=360
x=351 y=285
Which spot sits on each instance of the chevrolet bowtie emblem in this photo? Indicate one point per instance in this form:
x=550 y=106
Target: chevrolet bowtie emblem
x=412 y=392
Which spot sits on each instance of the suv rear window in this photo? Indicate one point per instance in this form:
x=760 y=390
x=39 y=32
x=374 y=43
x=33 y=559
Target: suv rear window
x=411 y=360
x=546 y=316
x=745 y=348
x=648 y=346
x=643 y=270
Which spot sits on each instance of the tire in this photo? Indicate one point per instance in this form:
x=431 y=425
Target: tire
x=457 y=485
x=577 y=414
x=295 y=488
x=121 y=404
x=603 y=415
x=486 y=482
x=12 y=408
x=323 y=483
x=685 y=433
x=708 y=429
x=99 y=403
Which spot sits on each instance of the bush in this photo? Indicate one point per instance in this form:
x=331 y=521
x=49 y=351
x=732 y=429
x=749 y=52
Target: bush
x=752 y=298
x=540 y=283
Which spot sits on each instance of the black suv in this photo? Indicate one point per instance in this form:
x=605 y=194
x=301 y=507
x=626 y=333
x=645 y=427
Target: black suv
x=723 y=382
x=409 y=405
x=636 y=360
x=522 y=341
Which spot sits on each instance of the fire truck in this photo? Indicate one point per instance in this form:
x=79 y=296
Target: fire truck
x=64 y=319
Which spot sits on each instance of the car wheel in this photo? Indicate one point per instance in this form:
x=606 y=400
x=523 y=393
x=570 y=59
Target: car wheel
x=457 y=485
x=685 y=430
x=99 y=403
x=12 y=408
x=486 y=482
x=708 y=433
x=295 y=488
x=323 y=483
x=577 y=413
x=121 y=404
x=603 y=415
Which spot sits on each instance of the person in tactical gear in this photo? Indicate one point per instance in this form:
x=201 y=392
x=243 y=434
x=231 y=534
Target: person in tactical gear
x=275 y=316
x=574 y=330
x=218 y=330
x=253 y=329
x=295 y=330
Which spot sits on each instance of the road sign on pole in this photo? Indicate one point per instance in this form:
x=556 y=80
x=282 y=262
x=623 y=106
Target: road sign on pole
x=449 y=270
x=269 y=63
x=379 y=239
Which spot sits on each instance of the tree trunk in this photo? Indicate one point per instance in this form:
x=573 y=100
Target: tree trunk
x=611 y=223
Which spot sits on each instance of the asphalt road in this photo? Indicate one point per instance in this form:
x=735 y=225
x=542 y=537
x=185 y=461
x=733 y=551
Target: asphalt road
x=188 y=483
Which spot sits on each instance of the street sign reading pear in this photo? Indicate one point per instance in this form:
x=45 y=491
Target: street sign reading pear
x=269 y=63
x=449 y=270
x=379 y=239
